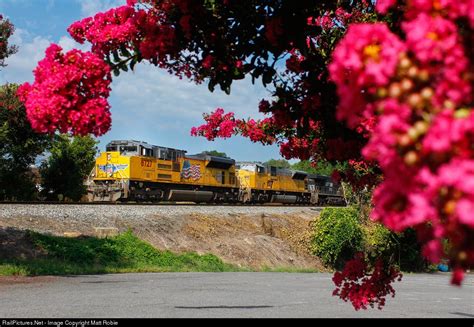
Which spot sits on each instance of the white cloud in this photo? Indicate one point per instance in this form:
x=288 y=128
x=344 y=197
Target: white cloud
x=20 y=65
x=151 y=105
x=156 y=92
x=67 y=43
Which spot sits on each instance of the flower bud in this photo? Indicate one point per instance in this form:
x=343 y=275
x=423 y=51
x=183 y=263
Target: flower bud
x=395 y=90
x=405 y=63
x=424 y=75
x=421 y=127
x=411 y=158
x=407 y=84
x=449 y=207
x=405 y=140
x=382 y=92
x=413 y=134
x=412 y=72
x=448 y=104
x=427 y=93
x=415 y=100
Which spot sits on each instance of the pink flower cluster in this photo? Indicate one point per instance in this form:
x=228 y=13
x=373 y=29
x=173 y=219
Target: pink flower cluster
x=126 y=27
x=69 y=93
x=256 y=131
x=452 y=9
x=362 y=288
x=365 y=59
x=301 y=148
x=217 y=124
x=419 y=96
x=107 y=31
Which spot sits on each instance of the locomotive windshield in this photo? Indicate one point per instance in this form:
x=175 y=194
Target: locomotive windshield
x=128 y=149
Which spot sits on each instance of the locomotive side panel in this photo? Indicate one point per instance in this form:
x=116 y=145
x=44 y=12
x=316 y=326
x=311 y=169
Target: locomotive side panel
x=112 y=166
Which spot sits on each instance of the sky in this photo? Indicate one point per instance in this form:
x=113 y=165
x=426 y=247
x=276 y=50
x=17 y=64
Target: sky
x=148 y=104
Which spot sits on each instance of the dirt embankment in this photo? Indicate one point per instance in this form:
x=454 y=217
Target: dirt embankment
x=248 y=238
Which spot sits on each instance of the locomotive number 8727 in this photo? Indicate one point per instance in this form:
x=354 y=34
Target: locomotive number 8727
x=138 y=171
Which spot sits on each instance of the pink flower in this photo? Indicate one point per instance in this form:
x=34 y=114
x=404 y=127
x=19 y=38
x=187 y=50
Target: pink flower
x=448 y=133
x=69 y=93
x=217 y=124
x=383 y=6
x=430 y=38
x=107 y=31
x=399 y=204
x=366 y=58
x=458 y=276
x=363 y=289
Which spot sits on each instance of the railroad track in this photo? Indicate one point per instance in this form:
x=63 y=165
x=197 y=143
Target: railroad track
x=157 y=204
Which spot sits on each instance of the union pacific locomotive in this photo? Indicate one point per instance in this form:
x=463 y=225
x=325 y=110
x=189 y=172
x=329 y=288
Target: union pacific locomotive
x=138 y=171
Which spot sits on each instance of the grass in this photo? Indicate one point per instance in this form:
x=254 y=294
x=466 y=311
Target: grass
x=119 y=254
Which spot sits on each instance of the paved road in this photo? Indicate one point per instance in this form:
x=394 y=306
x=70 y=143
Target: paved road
x=225 y=295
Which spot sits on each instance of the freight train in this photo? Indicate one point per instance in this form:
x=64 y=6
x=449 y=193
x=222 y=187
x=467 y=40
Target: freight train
x=137 y=171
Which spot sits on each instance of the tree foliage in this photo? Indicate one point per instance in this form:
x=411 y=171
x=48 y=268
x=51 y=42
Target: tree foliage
x=70 y=162
x=20 y=147
x=6 y=31
x=215 y=153
x=279 y=163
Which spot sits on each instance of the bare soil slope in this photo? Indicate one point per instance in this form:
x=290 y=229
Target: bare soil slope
x=258 y=240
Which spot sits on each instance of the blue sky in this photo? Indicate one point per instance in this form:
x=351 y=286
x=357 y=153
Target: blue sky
x=147 y=104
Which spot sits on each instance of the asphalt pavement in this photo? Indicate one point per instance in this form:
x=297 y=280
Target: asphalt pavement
x=202 y=295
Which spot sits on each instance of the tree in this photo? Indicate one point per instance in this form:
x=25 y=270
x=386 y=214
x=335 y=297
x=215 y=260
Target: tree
x=279 y=163
x=20 y=146
x=6 y=31
x=70 y=162
x=215 y=153
x=381 y=87
x=320 y=168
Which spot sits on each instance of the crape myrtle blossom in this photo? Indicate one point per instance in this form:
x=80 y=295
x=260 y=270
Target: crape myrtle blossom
x=367 y=58
x=361 y=286
x=424 y=131
x=69 y=93
x=218 y=124
x=452 y=9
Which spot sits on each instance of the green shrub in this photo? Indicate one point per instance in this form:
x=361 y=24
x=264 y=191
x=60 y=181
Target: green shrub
x=402 y=249
x=410 y=257
x=380 y=242
x=337 y=236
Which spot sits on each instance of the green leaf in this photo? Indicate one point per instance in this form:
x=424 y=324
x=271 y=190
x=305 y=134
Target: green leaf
x=116 y=56
x=211 y=86
x=133 y=63
x=268 y=76
x=124 y=51
x=124 y=67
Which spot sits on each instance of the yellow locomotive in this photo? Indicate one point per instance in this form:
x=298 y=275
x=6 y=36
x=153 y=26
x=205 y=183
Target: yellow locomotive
x=138 y=171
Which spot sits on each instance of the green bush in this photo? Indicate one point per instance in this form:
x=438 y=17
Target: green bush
x=402 y=249
x=380 y=242
x=410 y=257
x=337 y=236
